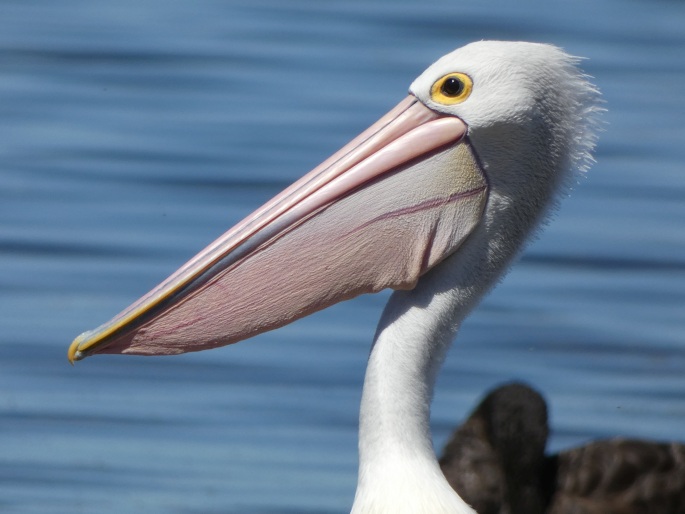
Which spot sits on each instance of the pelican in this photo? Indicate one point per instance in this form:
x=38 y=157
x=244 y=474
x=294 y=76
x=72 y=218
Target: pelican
x=496 y=461
x=434 y=200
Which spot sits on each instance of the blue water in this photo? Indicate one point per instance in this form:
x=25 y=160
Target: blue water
x=134 y=132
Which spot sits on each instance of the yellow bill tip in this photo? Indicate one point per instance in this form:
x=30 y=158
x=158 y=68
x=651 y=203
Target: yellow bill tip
x=74 y=354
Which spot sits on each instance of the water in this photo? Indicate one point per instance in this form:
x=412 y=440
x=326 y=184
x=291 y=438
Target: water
x=132 y=133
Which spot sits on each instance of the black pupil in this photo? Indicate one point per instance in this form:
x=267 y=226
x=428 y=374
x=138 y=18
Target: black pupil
x=452 y=87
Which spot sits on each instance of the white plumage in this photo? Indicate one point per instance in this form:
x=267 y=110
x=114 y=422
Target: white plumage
x=531 y=117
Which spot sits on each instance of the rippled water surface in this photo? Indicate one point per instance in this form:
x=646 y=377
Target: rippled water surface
x=134 y=132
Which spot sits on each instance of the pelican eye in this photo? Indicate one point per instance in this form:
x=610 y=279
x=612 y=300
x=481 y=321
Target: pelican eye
x=452 y=89
x=452 y=86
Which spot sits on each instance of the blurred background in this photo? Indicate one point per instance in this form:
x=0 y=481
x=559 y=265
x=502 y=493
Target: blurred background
x=132 y=133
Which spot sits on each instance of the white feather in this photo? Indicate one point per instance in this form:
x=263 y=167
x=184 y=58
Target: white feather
x=532 y=121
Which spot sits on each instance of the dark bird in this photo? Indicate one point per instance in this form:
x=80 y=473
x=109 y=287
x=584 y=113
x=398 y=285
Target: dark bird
x=496 y=462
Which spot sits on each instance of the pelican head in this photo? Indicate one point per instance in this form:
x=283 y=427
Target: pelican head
x=530 y=112
x=434 y=200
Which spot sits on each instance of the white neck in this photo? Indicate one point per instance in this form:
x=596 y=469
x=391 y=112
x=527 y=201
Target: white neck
x=398 y=470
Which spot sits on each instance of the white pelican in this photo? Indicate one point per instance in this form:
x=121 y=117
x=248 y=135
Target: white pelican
x=496 y=461
x=434 y=200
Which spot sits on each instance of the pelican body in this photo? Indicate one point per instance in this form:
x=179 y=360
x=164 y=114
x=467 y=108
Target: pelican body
x=434 y=201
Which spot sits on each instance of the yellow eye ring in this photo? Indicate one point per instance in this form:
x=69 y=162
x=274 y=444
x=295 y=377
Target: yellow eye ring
x=452 y=89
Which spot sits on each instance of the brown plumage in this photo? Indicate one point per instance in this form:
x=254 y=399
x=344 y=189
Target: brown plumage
x=496 y=462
